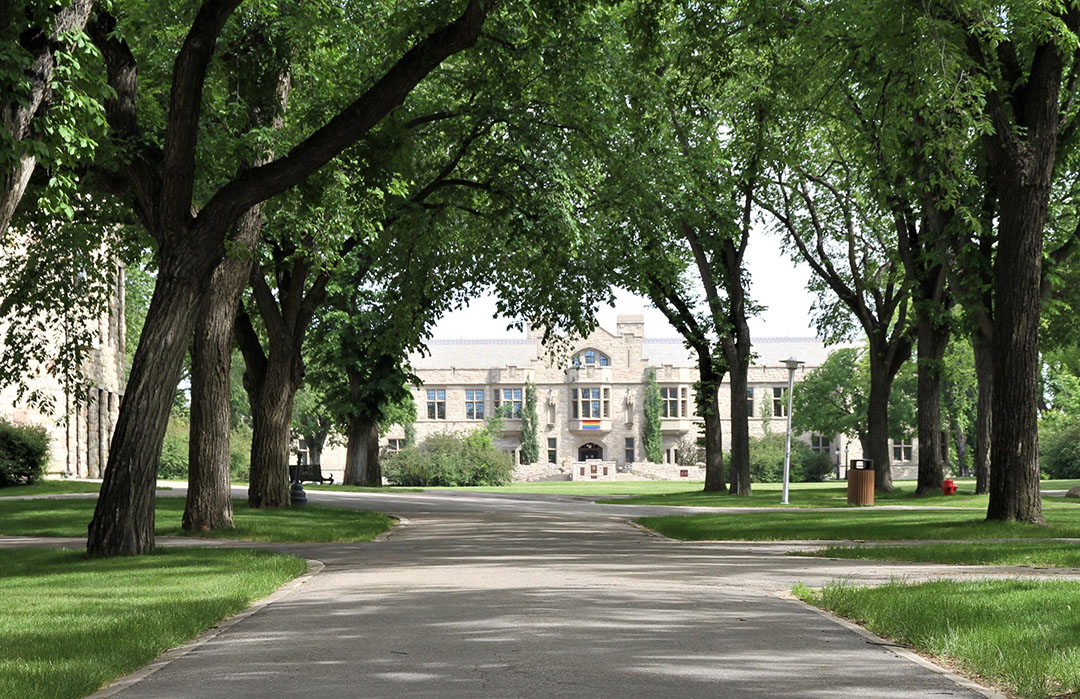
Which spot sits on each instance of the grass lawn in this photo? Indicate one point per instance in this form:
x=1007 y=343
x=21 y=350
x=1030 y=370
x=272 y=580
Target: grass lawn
x=361 y=488
x=827 y=494
x=975 y=626
x=50 y=488
x=314 y=523
x=863 y=524
x=1038 y=554
x=593 y=488
x=71 y=624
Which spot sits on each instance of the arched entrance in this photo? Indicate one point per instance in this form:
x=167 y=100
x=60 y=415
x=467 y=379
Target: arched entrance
x=590 y=451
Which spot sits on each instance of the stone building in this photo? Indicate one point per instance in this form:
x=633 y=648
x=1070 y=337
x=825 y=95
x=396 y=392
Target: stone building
x=590 y=404
x=80 y=431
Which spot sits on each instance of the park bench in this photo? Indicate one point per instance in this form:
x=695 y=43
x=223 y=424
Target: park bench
x=312 y=473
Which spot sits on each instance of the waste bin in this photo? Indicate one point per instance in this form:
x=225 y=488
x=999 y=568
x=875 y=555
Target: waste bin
x=860 y=482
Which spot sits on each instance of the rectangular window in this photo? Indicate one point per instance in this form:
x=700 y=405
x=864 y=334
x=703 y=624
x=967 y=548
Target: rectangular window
x=553 y=453
x=393 y=446
x=685 y=393
x=474 y=404
x=511 y=397
x=436 y=404
x=820 y=444
x=749 y=401
x=590 y=403
x=902 y=450
x=670 y=401
x=779 y=402
x=629 y=450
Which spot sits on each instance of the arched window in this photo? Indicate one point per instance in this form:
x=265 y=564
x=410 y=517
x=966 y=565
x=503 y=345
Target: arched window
x=591 y=357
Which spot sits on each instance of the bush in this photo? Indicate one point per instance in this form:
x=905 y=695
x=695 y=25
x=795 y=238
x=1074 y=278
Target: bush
x=767 y=460
x=450 y=460
x=24 y=453
x=1059 y=452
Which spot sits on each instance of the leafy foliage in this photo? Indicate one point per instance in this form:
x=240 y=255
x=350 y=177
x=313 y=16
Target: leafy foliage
x=767 y=460
x=450 y=460
x=24 y=453
x=530 y=440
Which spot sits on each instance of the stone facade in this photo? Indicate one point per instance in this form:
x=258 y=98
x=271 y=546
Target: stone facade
x=81 y=432
x=590 y=401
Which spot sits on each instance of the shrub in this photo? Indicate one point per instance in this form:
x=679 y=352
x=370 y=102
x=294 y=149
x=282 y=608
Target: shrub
x=767 y=460
x=1059 y=452
x=174 y=451
x=24 y=453
x=450 y=460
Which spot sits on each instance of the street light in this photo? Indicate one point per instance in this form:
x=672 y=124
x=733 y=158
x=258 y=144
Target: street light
x=792 y=364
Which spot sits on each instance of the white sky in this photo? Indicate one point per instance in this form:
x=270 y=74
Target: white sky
x=776 y=282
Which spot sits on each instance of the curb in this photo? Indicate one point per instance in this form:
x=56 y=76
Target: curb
x=897 y=649
x=399 y=522
x=314 y=568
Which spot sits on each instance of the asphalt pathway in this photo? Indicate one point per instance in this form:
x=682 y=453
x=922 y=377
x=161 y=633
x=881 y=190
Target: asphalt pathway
x=493 y=595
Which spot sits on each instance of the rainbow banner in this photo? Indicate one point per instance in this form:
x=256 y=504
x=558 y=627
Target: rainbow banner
x=590 y=424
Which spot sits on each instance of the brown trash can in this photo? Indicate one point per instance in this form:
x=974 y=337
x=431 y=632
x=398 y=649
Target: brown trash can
x=860 y=482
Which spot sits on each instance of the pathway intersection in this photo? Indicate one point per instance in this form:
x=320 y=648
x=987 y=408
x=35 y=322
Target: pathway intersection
x=494 y=595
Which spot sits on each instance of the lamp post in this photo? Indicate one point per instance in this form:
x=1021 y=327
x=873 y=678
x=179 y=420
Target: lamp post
x=792 y=364
x=846 y=461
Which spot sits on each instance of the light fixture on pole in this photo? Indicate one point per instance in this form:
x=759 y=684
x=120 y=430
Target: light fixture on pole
x=792 y=364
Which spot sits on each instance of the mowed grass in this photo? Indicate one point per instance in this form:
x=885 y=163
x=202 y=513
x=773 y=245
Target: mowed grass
x=1023 y=636
x=590 y=488
x=862 y=524
x=314 y=523
x=1036 y=554
x=50 y=488
x=827 y=494
x=361 y=488
x=71 y=624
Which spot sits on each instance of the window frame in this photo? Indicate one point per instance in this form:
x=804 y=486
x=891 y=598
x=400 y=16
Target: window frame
x=436 y=403
x=474 y=403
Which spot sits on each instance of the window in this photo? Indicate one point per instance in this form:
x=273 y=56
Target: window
x=393 y=446
x=511 y=397
x=629 y=450
x=671 y=456
x=779 y=402
x=901 y=450
x=590 y=402
x=474 y=404
x=676 y=401
x=749 y=401
x=820 y=444
x=436 y=404
x=552 y=451
x=591 y=357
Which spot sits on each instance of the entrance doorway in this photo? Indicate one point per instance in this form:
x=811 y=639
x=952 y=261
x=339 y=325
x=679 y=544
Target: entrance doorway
x=590 y=451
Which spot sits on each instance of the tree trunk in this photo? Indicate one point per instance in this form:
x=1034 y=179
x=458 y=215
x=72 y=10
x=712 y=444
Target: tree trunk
x=271 y=418
x=1014 y=480
x=877 y=419
x=209 y=496
x=984 y=374
x=961 y=451
x=740 y=427
x=362 y=466
x=123 y=522
x=708 y=404
x=933 y=339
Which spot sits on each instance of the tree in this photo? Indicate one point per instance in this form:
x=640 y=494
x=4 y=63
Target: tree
x=833 y=398
x=651 y=438
x=530 y=440
x=191 y=245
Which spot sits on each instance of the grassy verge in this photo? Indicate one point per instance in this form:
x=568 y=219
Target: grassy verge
x=860 y=524
x=50 y=488
x=1036 y=554
x=71 y=624
x=361 y=488
x=592 y=488
x=828 y=494
x=313 y=523
x=974 y=626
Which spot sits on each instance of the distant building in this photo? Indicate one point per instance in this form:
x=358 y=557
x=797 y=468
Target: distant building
x=80 y=431
x=590 y=404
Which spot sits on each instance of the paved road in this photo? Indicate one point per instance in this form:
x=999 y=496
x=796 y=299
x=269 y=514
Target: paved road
x=481 y=595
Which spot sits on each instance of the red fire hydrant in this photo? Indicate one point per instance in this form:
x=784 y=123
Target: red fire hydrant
x=948 y=487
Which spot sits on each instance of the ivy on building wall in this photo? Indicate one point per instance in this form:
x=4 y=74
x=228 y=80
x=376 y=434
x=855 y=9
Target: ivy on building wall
x=530 y=443
x=651 y=437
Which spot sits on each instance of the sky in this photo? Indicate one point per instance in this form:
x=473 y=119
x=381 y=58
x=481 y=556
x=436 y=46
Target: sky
x=776 y=282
